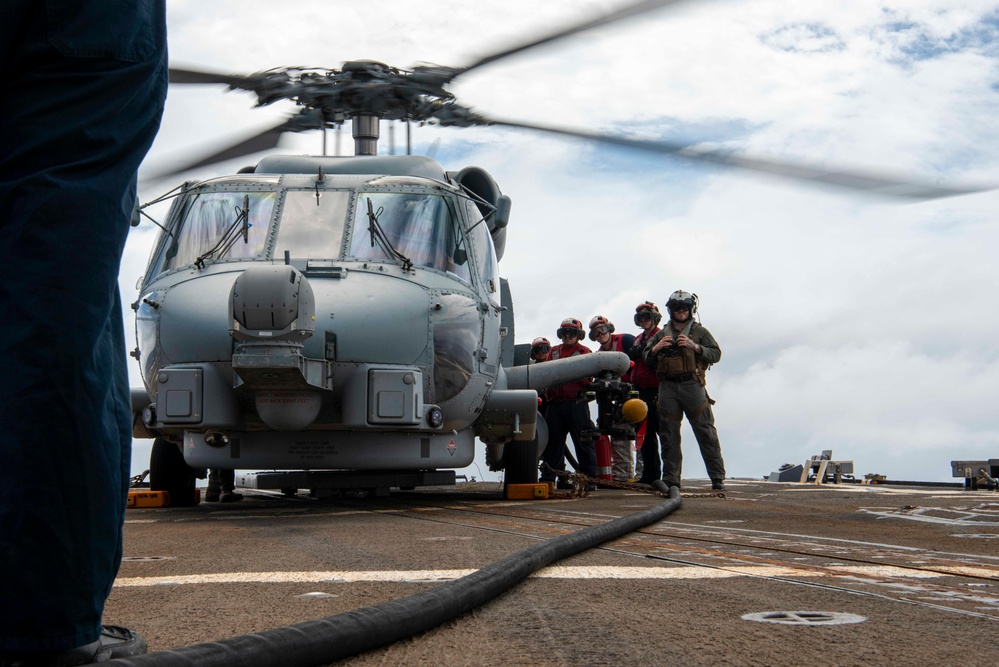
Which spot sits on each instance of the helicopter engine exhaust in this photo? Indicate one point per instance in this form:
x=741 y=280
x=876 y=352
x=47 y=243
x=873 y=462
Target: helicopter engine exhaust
x=271 y=314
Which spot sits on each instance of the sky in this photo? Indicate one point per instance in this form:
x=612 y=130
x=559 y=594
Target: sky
x=848 y=322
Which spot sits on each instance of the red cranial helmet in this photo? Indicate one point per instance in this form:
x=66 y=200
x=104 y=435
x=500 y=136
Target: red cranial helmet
x=597 y=326
x=647 y=309
x=540 y=345
x=570 y=326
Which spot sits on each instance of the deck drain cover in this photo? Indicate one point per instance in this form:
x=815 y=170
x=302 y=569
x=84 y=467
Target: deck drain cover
x=805 y=617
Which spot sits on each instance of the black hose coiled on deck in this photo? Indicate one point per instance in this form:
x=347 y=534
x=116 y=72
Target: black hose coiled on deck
x=335 y=637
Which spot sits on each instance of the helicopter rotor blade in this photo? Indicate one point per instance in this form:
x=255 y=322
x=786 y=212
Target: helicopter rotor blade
x=866 y=181
x=620 y=14
x=261 y=141
x=181 y=75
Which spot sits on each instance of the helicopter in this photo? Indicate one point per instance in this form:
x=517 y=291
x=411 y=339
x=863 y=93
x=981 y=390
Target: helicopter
x=322 y=314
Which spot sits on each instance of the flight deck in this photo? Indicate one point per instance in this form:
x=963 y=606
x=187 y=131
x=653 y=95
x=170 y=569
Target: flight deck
x=764 y=573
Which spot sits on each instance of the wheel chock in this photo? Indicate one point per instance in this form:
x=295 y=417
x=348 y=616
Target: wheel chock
x=527 y=491
x=144 y=498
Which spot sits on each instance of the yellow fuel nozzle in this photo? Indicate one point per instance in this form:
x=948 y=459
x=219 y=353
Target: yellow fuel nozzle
x=634 y=410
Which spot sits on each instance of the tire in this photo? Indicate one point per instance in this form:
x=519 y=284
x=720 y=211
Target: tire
x=168 y=472
x=521 y=458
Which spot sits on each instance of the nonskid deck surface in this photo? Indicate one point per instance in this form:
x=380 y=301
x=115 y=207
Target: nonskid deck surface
x=854 y=572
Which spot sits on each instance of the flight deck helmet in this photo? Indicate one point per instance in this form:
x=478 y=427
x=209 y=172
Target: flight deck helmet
x=647 y=309
x=540 y=345
x=571 y=325
x=681 y=299
x=597 y=322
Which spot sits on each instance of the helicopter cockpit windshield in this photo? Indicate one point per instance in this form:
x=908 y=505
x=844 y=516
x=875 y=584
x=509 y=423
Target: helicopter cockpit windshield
x=423 y=228
x=311 y=226
x=207 y=217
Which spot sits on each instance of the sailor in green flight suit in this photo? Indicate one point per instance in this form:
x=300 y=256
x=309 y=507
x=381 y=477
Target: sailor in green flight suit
x=681 y=354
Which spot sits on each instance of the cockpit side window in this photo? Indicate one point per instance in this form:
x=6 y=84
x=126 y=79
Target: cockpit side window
x=205 y=219
x=423 y=228
x=312 y=227
x=485 y=253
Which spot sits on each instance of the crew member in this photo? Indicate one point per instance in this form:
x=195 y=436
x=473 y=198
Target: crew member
x=602 y=331
x=647 y=317
x=566 y=414
x=83 y=88
x=681 y=354
x=222 y=486
x=540 y=347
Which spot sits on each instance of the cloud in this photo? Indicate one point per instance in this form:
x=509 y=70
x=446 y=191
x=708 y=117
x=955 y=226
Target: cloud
x=803 y=38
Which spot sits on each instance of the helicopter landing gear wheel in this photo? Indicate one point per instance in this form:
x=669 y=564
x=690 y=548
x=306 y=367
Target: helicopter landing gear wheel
x=168 y=472
x=521 y=457
x=521 y=462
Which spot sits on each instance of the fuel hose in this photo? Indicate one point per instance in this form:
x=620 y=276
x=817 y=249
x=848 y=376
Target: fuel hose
x=333 y=638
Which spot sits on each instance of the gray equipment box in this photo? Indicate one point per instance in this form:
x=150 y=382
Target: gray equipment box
x=976 y=473
x=792 y=474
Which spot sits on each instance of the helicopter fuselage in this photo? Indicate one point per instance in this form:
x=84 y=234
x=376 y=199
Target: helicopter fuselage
x=335 y=313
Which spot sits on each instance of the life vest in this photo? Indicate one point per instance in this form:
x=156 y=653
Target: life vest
x=617 y=345
x=681 y=362
x=641 y=374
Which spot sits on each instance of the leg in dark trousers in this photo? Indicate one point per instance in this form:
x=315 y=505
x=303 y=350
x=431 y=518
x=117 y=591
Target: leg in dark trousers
x=650 y=448
x=670 y=417
x=586 y=451
x=559 y=420
x=83 y=87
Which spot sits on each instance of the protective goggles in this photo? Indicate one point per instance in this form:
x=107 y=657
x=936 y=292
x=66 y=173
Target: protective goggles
x=644 y=316
x=566 y=332
x=543 y=348
x=599 y=331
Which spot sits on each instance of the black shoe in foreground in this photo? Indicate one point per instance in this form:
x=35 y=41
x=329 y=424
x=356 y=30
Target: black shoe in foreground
x=119 y=642
x=717 y=485
x=115 y=642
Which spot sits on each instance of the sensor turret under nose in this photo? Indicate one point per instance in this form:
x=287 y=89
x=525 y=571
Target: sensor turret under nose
x=272 y=303
x=271 y=314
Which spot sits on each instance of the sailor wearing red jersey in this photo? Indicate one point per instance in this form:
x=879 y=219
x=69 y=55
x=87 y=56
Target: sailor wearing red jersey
x=566 y=415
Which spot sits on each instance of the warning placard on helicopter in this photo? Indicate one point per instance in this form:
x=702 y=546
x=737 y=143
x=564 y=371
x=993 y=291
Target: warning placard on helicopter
x=285 y=398
x=312 y=450
x=451 y=447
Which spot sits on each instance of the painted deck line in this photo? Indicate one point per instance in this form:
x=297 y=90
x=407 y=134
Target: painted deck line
x=554 y=572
